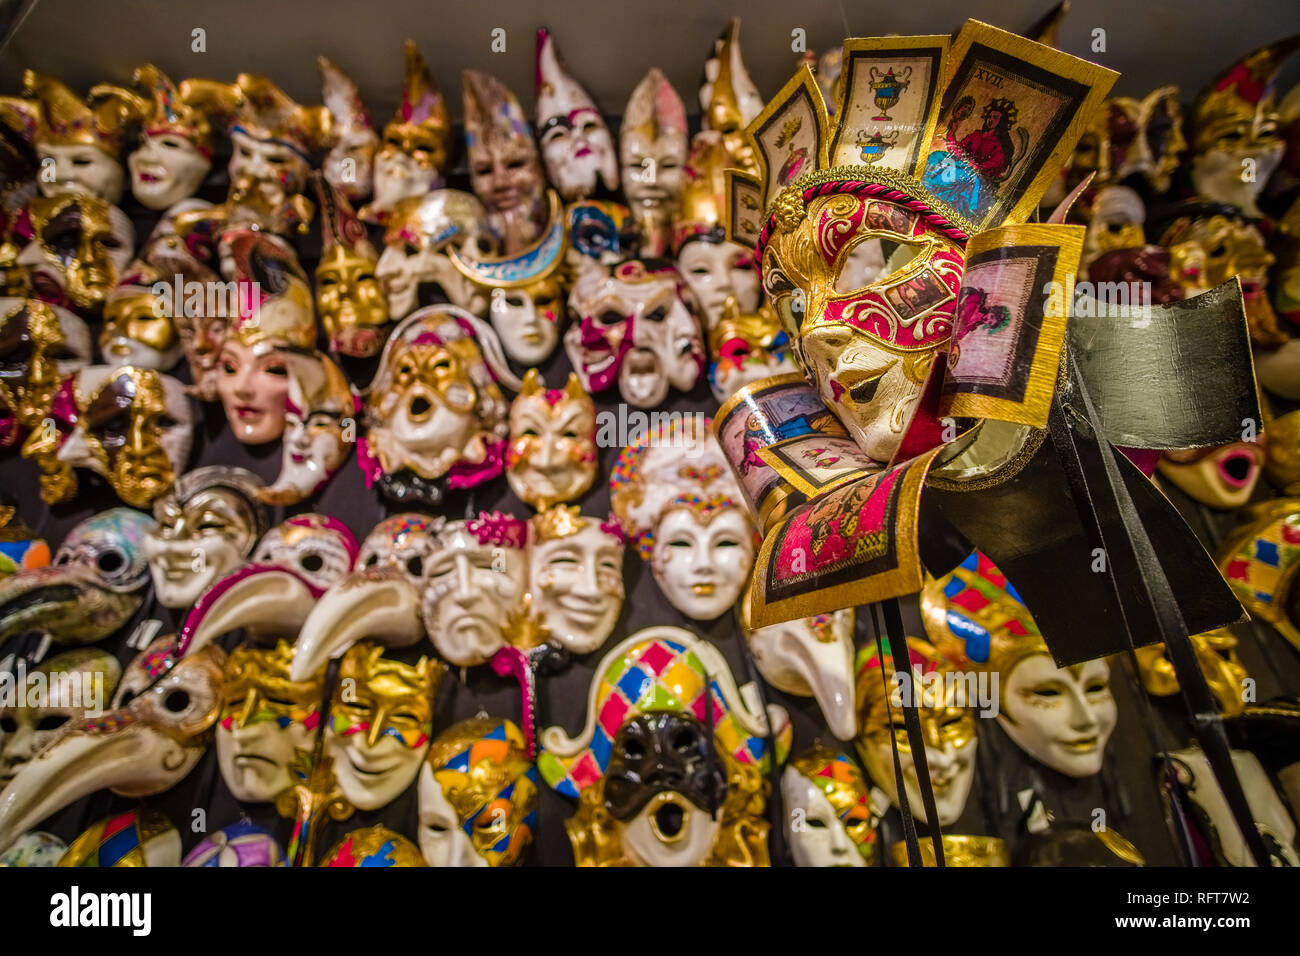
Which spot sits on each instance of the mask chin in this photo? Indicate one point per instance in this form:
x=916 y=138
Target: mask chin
x=670 y=831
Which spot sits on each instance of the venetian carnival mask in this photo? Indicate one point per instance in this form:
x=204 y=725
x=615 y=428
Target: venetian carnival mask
x=143 y=837
x=351 y=304
x=599 y=233
x=551 y=458
x=652 y=152
x=373 y=846
x=319 y=418
x=381 y=721
x=80 y=247
x=40 y=346
x=576 y=145
x=413 y=154
x=505 y=171
x=746 y=349
x=634 y=328
x=136 y=330
x=1118 y=215
x=1216 y=654
x=349 y=166
x=206 y=527
x=478 y=796
x=947 y=727
x=576 y=576
x=678 y=500
x=176 y=143
x=1143 y=137
x=240 y=844
x=812 y=657
x=729 y=100
x=828 y=809
x=267 y=719
x=414 y=267
x=1221 y=477
x=71 y=684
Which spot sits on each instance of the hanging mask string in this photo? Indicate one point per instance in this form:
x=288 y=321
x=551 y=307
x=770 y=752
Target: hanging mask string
x=904 y=809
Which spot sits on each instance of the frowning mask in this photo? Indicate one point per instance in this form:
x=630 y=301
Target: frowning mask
x=576 y=144
x=381 y=720
x=1222 y=477
x=478 y=796
x=319 y=426
x=634 y=328
x=349 y=165
x=416 y=239
x=552 y=453
x=352 y=307
x=206 y=528
x=652 y=151
x=825 y=793
x=576 y=573
x=40 y=346
x=79 y=249
x=812 y=657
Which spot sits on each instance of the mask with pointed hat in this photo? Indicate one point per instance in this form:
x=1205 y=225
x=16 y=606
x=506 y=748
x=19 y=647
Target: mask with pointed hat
x=577 y=148
x=728 y=98
x=352 y=307
x=349 y=166
x=652 y=152
x=505 y=170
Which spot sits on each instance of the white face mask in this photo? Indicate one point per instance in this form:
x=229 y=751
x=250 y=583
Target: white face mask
x=665 y=352
x=527 y=333
x=195 y=545
x=577 y=582
x=470 y=587
x=689 y=846
x=442 y=841
x=81 y=169
x=400 y=274
x=1060 y=716
x=819 y=839
x=166 y=169
x=370 y=777
x=715 y=270
x=313 y=451
x=1266 y=807
x=702 y=568
x=812 y=657
x=952 y=773
x=273 y=170
x=255 y=758
x=578 y=152
x=399 y=176
x=1217 y=175
x=350 y=165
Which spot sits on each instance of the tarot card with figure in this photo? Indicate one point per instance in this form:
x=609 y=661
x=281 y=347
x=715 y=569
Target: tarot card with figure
x=744 y=208
x=789 y=136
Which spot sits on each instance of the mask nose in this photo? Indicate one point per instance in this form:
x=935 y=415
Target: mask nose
x=841 y=845
x=464 y=592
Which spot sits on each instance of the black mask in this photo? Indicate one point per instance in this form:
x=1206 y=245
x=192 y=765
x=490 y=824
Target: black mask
x=655 y=753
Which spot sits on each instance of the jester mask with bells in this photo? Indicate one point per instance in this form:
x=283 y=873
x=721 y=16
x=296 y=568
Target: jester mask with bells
x=504 y=168
x=1234 y=127
x=142 y=747
x=576 y=576
x=478 y=795
x=577 y=148
x=729 y=100
x=80 y=247
x=320 y=423
x=668 y=770
x=71 y=683
x=525 y=292
x=947 y=726
x=207 y=526
x=829 y=820
x=633 y=327
x=79 y=141
x=132 y=426
x=413 y=155
x=652 y=152
x=551 y=458
x=435 y=415
x=275 y=316
x=415 y=266
x=349 y=166
x=40 y=346
x=1063 y=717
x=812 y=657
x=352 y=307
x=679 y=502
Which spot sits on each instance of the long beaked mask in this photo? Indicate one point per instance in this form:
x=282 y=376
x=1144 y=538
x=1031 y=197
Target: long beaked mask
x=1235 y=125
x=142 y=837
x=947 y=726
x=381 y=722
x=40 y=346
x=94 y=586
x=349 y=166
x=417 y=237
x=1216 y=654
x=240 y=844
x=70 y=684
x=319 y=426
x=349 y=299
x=812 y=657
x=826 y=792
x=576 y=576
x=207 y=526
x=576 y=145
x=267 y=719
x=1061 y=716
x=551 y=458
x=505 y=170
x=679 y=502
x=412 y=158
x=729 y=100
x=668 y=768
x=79 y=249
x=634 y=328
x=652 y=152
x=478 y=795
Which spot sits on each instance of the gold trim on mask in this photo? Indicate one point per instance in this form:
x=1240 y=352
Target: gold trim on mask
x=958 y=850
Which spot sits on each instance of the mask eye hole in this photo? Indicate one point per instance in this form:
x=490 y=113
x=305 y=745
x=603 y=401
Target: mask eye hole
x=177 y=701
x=817 y=823
x=633 y=749
x=436 y=828
x=52 y=722
x=110 y=562
x=684 y=741
x=311 y=562
x=415 y=566
x=372 y=560
x=8 y=724
x=610 y=317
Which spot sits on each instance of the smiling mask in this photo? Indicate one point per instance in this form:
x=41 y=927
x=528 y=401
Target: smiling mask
x=652 y=152
x=576 y=576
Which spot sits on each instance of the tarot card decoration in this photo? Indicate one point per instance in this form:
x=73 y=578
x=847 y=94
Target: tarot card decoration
x=349 y=299
x=415 y=266
x=669 y=768
x=141 y=837
x=812 y=657
x=320 y=425
x=729 y=101
x=349 y=165
x=652 y=152
x=577 y=148
x=552 y=454
x=79 y=249
x=40 y=346
x=827 y=792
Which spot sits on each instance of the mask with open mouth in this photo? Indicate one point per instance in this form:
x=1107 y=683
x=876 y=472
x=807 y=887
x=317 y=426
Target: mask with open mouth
x=351 y=303
x=825 y=792
x=577 y=148
x=79 y=249
x=576 y=576
x=652 y=151
x=40 y=346
x=319 y=425
x=552 y=454
x=94 y=586
x=240 y=844
x=812 y=657
x=478 y=796
x=415 y=261
x=1223 y=477
x=349 y=166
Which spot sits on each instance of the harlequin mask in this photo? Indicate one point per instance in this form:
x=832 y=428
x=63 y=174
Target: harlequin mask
x=381 y=720
x=418 y=234
x=576 y=574
x=552 y=453
x=352 y=307
x=828 y=811
x=435 y=413
x=94 y=586
x=1143 y=137
x=1061 y=716
x=176 y=143
x=475 y=575
x=812 y=657
x=1235 y=126
x=1222 y=477
x=141 y=837
x=652 y=151
x=577 y=148
x=504 y=169
x=267 y=718
x=1260 y=558
x=350 y=164
x=40 y=346
x=478 y=796
x=416 y=143
x=319 y=422
x=240 y=844
x=634 y=328
x=73 y=682
x=374 y=846
x=678 y=500
x=947 y=726
x=206 y=528
x=746 y=348
x=79 y=248
x=1216 y=653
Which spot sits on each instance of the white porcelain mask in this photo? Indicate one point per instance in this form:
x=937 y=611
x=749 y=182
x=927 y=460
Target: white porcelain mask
x=165 y=169
x=349 y=165
x=81 y=169
x=552 y=453
x=1061 y=716
x=442 y=841
x=417 y=237
x=812 y=657
x=715 y=270
x=702 y=559
x=827 y=811
x=577 y=148
x=576 y=577
x=318 y=410
x=265 y=173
